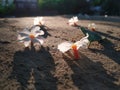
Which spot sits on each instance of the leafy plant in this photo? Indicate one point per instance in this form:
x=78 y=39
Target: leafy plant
x=64 y=6
x=6 y=9
x=111 y=7
x=46 y=4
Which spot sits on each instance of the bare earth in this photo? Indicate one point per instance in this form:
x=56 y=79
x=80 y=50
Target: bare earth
x=48 y=69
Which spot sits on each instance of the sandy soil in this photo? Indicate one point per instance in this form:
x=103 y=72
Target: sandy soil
x=48 y=69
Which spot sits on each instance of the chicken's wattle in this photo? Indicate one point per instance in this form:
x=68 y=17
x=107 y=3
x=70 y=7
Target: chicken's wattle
x=31 y=36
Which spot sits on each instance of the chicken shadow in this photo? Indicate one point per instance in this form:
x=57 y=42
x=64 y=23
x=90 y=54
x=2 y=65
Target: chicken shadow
x=88 y=75
x=108 y=50
x=30 y=66
x=45 y=29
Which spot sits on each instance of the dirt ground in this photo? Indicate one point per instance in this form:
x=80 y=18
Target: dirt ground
x=48 y=69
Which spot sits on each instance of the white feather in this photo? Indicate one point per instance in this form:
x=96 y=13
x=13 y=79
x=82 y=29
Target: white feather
x=65 y=46
x=83 y=43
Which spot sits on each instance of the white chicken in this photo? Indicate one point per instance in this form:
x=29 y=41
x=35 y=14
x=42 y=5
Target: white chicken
x=83 y=43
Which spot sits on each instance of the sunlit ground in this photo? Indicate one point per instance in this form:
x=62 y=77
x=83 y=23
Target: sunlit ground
x=48 y=69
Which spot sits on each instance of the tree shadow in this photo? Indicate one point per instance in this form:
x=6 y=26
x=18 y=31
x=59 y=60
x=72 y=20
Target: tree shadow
x=108 y=50
x=89 y=75
x=30 y=66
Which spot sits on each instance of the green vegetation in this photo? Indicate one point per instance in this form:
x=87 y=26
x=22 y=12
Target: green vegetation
x=64 y=6
x=110 y=7
x=46 y=4
x=7 y=9
x=97 y=2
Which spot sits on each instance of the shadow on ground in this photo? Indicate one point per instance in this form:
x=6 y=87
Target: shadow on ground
x=88 y=75
x=108 y=35
x=45 y=29
x=38 y=64
x=108 y=50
